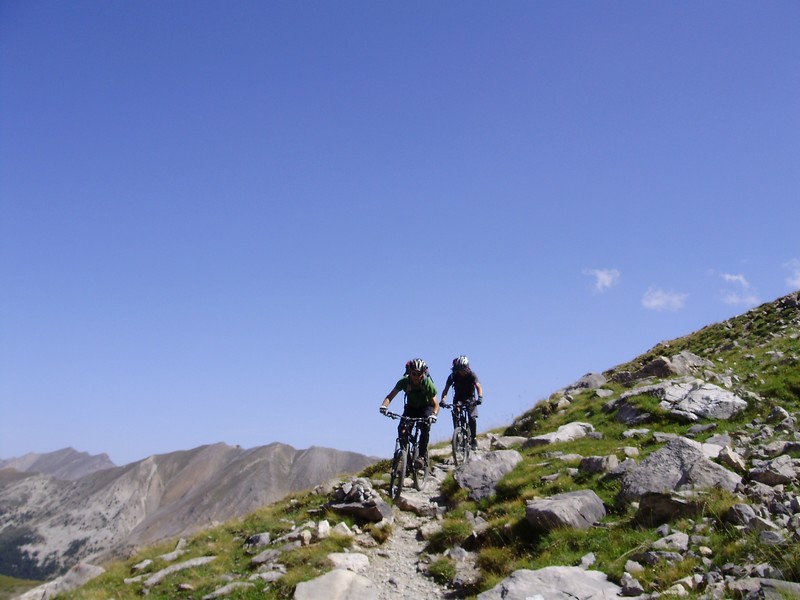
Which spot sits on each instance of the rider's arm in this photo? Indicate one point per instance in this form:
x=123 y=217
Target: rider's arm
x=389 y=397
x=447 y=385
x=479 y=388
x=435 y=405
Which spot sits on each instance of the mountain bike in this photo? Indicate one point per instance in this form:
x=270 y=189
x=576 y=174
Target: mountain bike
x=406 y=457
x=462 y=436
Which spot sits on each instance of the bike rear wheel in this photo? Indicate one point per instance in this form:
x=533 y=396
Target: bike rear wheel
x=460 y=447
x=419 y=473
x=398 y=473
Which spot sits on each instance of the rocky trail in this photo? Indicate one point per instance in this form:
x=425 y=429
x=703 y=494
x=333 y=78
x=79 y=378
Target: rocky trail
x=395 y=567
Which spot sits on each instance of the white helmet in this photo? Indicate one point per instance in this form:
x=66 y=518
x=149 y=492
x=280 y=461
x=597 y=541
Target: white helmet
x=462 y=362
x=416 y=365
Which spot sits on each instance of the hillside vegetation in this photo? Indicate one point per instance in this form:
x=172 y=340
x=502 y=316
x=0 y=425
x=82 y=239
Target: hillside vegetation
x=754 y=355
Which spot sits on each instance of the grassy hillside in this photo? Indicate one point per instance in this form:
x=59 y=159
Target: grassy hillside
x=756 y=355
x=11 y=587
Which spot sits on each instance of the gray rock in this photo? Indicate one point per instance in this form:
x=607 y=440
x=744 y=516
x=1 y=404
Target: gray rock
x=338 y=584
x=142 y=566
x=189 y=564
x=599 y=464
x=554 y=583
x=265 y=557
x=777 y=471
x=631 y=585
x=740 y=514
x=176 y=553
x=373 y=510
x=565 y=433
x=686 y=362
x=575 y=510
x=675 y=542
x=227 y=590
x=772 y=538
x=421 y=506
x=352 y=561
x=688 y=398
x=589 y=381
x=258 y=540
x=680 y=465
x=732 y=459
x=506 y=442
x=480 y=476
x=656 y=508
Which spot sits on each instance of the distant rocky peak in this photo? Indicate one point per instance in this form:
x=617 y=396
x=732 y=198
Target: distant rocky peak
x=67 y=463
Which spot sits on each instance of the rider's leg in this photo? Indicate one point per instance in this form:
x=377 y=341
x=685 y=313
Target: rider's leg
x=473 y=426
x=425 y=431
x=402 y=431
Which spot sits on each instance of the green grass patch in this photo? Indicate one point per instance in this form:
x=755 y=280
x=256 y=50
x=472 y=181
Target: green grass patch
x=443 y=570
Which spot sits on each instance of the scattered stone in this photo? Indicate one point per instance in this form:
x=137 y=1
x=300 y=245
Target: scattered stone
x=575 y=510
x=189 y=564
x=175 y=554
x=599 y=464
x=565 y=433
x=228 y=589
x=141 y=566
x=352 y=561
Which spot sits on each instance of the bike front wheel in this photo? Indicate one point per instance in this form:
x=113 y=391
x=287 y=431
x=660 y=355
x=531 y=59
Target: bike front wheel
x=420 y=470
x=398 y=473
x=460 y=447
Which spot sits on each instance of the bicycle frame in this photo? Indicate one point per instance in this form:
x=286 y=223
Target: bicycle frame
x=406 y=452
x=462 y=436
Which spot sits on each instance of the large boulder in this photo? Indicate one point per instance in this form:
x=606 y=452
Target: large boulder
x=554 y=583
x=687 y=399
x=680 y=465
x=575 y=510
x=339 y=584
x=481 y=475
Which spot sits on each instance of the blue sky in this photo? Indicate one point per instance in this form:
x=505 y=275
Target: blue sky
x=235 y=221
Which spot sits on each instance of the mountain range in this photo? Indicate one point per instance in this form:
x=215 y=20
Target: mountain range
x=63 y=507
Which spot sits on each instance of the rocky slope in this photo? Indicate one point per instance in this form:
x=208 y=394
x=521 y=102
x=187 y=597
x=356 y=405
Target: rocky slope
x=48 y=524
x=674 y=475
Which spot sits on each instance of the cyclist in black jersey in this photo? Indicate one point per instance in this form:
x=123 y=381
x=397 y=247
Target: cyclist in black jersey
x=465 y=383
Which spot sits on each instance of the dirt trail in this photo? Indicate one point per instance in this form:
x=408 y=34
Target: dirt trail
x=394 y=566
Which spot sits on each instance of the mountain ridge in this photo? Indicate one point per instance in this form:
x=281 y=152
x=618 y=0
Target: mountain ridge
x=66 y=463
x=48 y=524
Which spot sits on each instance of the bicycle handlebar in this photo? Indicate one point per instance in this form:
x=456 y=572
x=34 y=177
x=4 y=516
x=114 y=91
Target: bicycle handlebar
x=460 y=405
x=392 y=415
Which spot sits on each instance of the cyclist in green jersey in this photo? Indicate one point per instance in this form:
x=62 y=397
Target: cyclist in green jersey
x=420 y=400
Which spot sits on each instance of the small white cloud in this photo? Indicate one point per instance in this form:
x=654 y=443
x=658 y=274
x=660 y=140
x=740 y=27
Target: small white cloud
x=603 y=278
x=793 y=280
x=735 y=299
x=740 y=279
x=656 y=299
